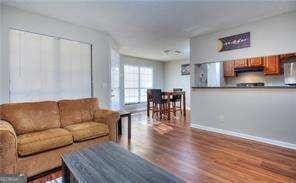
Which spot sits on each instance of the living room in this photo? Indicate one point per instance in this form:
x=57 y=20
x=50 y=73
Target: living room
x=147 y=91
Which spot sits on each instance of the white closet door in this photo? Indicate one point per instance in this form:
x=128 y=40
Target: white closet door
x=85 y=61
x=75 y=69
x=46 y=68
x=30 y=57
x=49 y=69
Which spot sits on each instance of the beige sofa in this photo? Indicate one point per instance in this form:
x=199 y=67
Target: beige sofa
x=34 y=135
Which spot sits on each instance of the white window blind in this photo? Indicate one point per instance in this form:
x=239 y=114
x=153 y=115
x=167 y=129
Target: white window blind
x=136 y=82
x=47 y=68
x=75 y=69
x=131 y=84
x=146 y=80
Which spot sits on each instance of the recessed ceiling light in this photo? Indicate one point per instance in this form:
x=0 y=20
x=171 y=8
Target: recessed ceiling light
x=176 y=52
x=167 y=52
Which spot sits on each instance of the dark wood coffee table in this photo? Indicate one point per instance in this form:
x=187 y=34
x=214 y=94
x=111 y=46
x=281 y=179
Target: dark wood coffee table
x=108 y=162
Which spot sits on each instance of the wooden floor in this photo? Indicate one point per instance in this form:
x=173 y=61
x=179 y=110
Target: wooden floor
x=200 y=156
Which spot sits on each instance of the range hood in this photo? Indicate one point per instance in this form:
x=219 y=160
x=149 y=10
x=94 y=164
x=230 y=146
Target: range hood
x=248 y=69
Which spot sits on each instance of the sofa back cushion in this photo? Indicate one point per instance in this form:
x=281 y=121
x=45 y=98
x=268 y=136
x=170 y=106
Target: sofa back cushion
x=32 y=116
x=77 y=111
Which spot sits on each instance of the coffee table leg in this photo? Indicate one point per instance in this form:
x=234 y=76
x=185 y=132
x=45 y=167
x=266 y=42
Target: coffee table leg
x=65 y=173
x=129 y=126
x=120 y=126
x=184 y=105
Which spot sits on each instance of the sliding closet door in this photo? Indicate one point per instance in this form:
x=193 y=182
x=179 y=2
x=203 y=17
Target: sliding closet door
x=47 y=68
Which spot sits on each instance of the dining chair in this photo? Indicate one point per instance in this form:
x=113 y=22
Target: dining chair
x=159 y=104
x=176 y=99
x=149 y=102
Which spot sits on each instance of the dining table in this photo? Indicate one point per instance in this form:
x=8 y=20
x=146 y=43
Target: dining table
x=168 y=95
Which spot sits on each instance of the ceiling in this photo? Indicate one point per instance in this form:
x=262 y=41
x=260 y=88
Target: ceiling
x=146 y=28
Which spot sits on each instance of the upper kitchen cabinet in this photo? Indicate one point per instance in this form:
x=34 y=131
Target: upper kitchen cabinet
x=241 y=63
x=255 y=62
x=271 y=65
x=228 y=68
x=287 y=56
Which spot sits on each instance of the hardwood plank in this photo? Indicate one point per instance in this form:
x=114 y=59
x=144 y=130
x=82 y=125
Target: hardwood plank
x=200 y=156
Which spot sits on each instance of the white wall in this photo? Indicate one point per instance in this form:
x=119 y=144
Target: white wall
x=174 y=79
x=158 y=76
x=15 y=18
x=265 y=113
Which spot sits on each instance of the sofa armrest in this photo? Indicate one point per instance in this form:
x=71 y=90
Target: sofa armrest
x=111 y=119
x=8 y=148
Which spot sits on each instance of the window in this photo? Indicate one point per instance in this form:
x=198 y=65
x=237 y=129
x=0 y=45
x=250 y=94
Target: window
x=131 y=84
x=47 y=68
x=146 y=79
x=136 y=82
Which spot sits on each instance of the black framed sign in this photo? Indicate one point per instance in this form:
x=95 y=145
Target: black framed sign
x=234 y=42
x=185 y=69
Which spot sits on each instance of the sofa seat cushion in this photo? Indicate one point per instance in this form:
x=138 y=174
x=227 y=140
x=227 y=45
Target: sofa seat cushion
x=36 y=142
x=87 y=130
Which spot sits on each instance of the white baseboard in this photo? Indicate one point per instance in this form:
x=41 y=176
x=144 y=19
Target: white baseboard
x=245 y=136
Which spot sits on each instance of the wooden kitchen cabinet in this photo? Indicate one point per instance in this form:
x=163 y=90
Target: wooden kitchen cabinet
x=286 y=56
x=255 y=62
x=271 y=65
x=228 y=68
x=241 y=63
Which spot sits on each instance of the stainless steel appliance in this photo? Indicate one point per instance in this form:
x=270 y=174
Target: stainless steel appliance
x=290 y=72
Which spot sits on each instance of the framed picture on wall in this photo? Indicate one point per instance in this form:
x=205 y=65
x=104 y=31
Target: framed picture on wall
x=185 y=69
